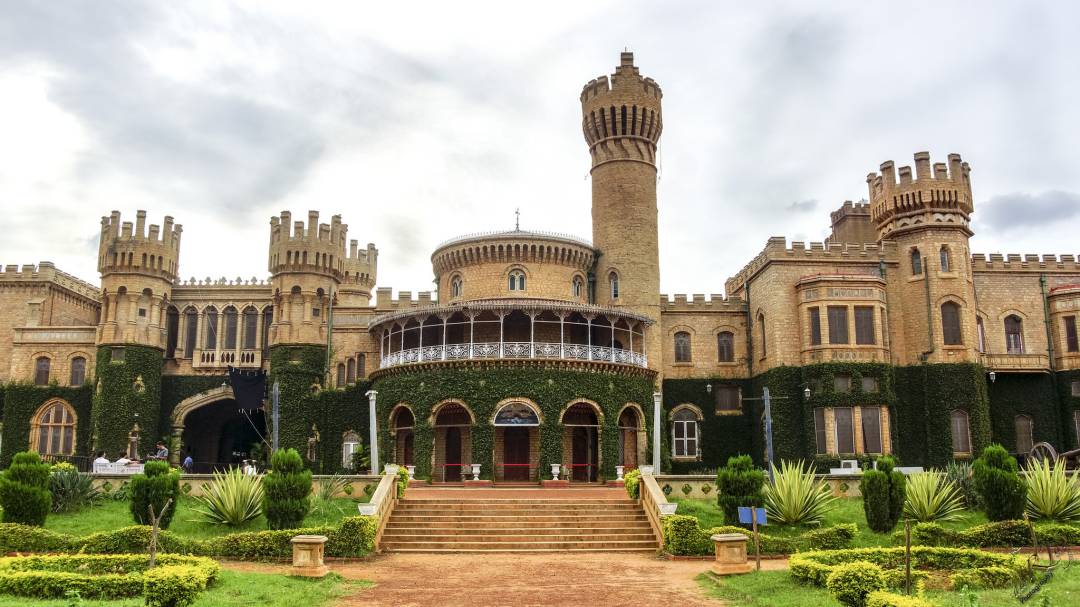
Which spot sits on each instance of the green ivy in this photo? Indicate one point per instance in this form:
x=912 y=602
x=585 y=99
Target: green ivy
x=482 y=388
x=338 y=411
x=1032 y=394
x=1069 y=405
x=927 y=395
x=119 y=396
x=21 y=401
x=297 y=369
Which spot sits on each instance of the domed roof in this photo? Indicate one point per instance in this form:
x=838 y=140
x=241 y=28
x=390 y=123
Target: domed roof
x=515 y=234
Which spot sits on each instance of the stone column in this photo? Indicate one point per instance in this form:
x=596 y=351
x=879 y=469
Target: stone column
x=656 y=432
x=373 y=433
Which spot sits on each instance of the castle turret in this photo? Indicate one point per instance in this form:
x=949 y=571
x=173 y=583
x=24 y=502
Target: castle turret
x=137 y=273
x=622 y=122
x=928 y=216
x=361 y=267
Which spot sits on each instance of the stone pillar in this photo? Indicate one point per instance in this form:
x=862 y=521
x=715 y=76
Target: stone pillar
x=307 y=556
x=373 y=433
x=656 y=432
x=730 y=554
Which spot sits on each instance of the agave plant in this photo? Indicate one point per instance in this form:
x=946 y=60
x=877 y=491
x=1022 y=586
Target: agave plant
x=70 y=489
x=795 y=496
x=960 y=474
x=328 y=488
x=932 y=497
x=1052 y=493
x=231 y=498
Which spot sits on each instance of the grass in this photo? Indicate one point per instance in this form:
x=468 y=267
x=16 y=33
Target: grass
x=112 y=514
x=844 y=510
x=778 y=589
x=235 y=589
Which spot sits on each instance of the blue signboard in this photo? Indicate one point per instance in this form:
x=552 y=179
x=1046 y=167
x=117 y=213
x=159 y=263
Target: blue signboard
x=745 y=516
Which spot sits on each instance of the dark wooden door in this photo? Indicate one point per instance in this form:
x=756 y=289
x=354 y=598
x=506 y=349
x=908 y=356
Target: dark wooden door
x=407 y=448
x=580 y=450
x=516 y=453
x=452 y=474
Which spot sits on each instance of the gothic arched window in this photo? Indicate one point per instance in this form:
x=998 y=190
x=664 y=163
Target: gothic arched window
x=1014 y=334
x=916 y=262
x=613 y=282
x=52 y=430
x=42 y=366
x=78 y=371
x=950 y=324
x=517 y=280
x=725 y=346
x=682 y=347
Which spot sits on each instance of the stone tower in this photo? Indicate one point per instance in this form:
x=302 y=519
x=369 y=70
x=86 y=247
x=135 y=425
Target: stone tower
x=137 y=273
x=361 y=267
x=307 y=264
x=622 y=121
x=928 y=216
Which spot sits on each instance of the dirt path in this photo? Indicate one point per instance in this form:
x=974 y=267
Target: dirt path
x=473 y=580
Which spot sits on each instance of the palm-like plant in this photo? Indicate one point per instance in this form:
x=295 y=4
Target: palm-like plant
x=932 y=497
x=1052 y=493
x=795 y=496
x=231 y=498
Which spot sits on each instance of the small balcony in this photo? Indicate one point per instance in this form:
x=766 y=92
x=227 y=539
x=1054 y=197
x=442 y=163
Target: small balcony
x=223 y=359
x=1016 y=363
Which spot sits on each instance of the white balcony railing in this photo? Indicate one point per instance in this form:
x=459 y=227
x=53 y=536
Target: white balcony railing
x=515 y=350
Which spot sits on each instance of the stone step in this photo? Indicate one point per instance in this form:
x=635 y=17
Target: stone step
x=516 y=506
x=497 y=549
x=423 y=538
x=494 y=529
x=518 y=511
x=459 y=546
x=494 y=518
x=588 y=501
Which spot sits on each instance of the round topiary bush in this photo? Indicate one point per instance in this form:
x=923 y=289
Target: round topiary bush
x=883 y=493
x=286 y=490
x=24 y=490
x=999 y=485
x=850 y=583
x=739 y=483
x=154 y=488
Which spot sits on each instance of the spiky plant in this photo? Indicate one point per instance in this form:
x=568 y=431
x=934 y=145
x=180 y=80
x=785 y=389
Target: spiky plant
x=231 y=498
x=1052 y=493
x=795 y=496
x=71 y=489
x=931 y=497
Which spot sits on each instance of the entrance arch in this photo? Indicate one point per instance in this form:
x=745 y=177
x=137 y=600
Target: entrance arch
x=402 y=421
x=213 y=429
x=517 y=441
x=631 y=436
x=581 y=441
x=452 y=422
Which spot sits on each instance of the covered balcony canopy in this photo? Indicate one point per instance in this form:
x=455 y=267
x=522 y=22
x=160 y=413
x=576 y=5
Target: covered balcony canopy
x=511 y=329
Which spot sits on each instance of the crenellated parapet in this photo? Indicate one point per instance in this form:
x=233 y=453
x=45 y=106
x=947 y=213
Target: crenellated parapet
x=361 y=270
x=127 y=248
x=621 y=116
x=1014 y=262
x=311 y=248
x=46 y=272
x=386 y=302
x=937 y=196
x=696 y=302
x=777 y=249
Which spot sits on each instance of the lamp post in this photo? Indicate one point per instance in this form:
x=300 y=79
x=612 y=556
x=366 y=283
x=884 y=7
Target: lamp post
x=373 y=433
x=656 y=397
x=767 y=422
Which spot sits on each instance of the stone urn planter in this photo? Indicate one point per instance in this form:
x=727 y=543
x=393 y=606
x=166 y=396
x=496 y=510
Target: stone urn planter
x=412 y=472
x=555 y=468
x=618 y=473
x=476 y=472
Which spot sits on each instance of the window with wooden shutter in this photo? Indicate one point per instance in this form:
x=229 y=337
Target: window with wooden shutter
x=1071 y=343
x=950 y=324
x=1025 y=429
x=819 y=430
x=864 y=325
x=815 y=326
x=1014 y=335
x=838 y=325
x=728 y=398
x=961 y=432
x=871 y=429
x=845 y=430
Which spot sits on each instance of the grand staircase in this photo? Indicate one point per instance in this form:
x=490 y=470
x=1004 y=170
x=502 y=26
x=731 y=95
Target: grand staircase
x=568 y=524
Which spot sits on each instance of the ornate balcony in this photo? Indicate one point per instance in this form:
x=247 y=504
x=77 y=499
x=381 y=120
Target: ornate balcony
x=1031 y=363
x=514 y=350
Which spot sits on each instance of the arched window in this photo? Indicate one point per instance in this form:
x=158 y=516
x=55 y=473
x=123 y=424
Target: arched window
x=230 y=328
x=613 y=282
x=172 y=331
x=268 y=319
x=682 y=347
x=961 y=432
x=341 y=375
x=191 y=331
x=577 y=286
x=455 y=287
x=211 y=328
x=52 y=431
x=78 y=371
x=1014 y=334
x=350 y=373
x=916 y=262
x=361 y=365
x=350 y=444
x=980 y=329
x=946 y=262
x=685 y=432
x=950 y=324
x=41 y=371
x=251 y=327
x=761 y=329
x=725 y=346
x=1025 y=434
x=517 y=280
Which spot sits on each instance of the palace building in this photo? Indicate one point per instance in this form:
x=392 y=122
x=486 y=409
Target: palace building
x=541 y=349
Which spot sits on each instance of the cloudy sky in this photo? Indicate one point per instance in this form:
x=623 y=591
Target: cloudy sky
x=426 y=121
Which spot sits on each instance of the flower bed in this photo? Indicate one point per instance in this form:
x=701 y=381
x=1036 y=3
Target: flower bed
x=177 y=581
x=949 y=567
x=683 y=536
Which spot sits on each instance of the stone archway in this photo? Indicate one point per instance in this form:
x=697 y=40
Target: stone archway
x=212 y=429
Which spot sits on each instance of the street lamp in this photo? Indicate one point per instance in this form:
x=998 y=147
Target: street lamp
x=993 y=377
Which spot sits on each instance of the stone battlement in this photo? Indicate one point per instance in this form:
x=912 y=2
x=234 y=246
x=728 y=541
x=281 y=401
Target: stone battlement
x=127 y=248
x=1012 y=262
x=696 y=302
x=944 y=188
x=776 y=249
x=626 y=75
x=384 y=299
x=45 y=271
x=849 y=209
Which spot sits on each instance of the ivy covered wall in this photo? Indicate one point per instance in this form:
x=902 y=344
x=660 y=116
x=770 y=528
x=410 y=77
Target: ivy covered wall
x=482 y=388
x=722 y=436
x=21 y=401
x=299 y=371
x=927 y=395
x=125 y=387
x=336 y=412
x=1024 y=394
x=176 y=388
x=1069 y=406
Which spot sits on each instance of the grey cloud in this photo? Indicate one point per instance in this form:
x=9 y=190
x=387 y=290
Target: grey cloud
x=1020 y=210
x=803 y=206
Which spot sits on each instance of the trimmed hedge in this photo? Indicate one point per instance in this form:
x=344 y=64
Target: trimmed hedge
x=175 y=583
x=998 y=482
x=683 y=536
x=1001 y=534
x=739 y=483
x=24 y=490
x=850 y=583
x=882 y=598
x=354 y=537
x=632 y=483
x=969 y=567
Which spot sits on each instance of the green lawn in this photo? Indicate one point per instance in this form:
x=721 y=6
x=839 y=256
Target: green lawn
x=236 y=589
x=778 y=589
x=844 y=510
x=111 y=514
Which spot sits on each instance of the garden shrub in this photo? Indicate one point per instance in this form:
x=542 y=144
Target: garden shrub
x=231 y=498
x=16 y=537
x=1052 y=493
x=1001 y=490
x=882 y=598
x=931 y=497
x=739 y=484
x=71 y=489
x=402 y=482
x=795 y=496
x=632 y=482
x=976 y=566
x=154 y=488
x=883 y=492
x=683 y=536
x=850 y=583
x=24 y=490
x=286 y=490
x=961 y=475
x=993 y=576
x=1000 y=534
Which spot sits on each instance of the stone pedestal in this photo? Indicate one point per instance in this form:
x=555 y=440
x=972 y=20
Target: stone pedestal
x=307 y=556
x=730 y=554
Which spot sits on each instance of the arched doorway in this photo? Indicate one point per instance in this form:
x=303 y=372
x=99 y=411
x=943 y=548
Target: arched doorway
x=581 y=440
x=517 y=426
x=220 y=435
x=453 y=442
x=629 y=426
x=402 y=421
